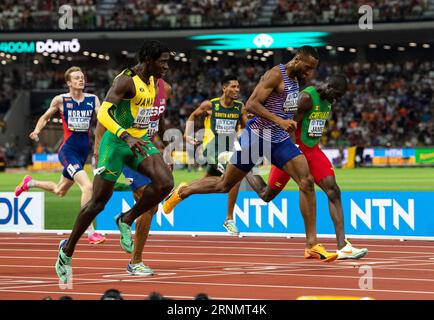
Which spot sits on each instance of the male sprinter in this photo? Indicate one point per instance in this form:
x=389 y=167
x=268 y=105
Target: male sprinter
x=314 y=107
x=76 y=109
x=139 y=182
x=126 y=113
x=223 y=115
x=274 y=102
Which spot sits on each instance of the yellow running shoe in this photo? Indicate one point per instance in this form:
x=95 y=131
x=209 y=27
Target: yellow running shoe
x=319 y=252
x=173 y=199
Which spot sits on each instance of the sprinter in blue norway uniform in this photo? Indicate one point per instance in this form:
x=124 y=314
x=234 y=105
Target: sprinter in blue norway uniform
x=76 y=109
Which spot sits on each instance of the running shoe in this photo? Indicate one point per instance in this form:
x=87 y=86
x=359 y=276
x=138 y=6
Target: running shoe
x=173 y=199
x=126 y=241
x=23 y=187
x=349 y=252
x=139 y=269
x=96 y=238
x=63 y=264
x=319 y=252
x=231 y=228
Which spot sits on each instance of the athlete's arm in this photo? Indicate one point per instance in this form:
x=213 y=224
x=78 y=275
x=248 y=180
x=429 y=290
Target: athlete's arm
x=121 y=88
x=268 y=83
x=304 y=104
x=244 y=117
x=43 y=120
x=204 y=109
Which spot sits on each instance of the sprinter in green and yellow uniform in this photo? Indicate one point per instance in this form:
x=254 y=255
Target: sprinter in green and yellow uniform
x=223 y=116
x=125 y=113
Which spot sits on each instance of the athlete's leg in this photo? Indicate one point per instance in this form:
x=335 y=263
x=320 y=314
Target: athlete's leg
x=159 y=173
x=232 y=199
x=83 y=182
x=330 y=187
x=143 y=225
x=222 y=184
x=276 y=183
x=60 y=189
x=298 y=169
x=102 y=191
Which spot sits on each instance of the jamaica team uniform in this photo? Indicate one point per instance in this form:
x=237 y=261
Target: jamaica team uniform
x=76 y=120
x=220 y=132
x=134 y=115
x=307 y=137
x=138 y=180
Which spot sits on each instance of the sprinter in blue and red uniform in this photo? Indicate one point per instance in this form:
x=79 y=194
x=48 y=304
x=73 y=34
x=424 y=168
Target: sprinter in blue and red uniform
x=76 y=110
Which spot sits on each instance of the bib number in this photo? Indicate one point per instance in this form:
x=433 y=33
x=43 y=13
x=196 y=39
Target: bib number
x=224 y=126
x=78 y=124
x=290 y=105
x=316 y=128
x=143 y=118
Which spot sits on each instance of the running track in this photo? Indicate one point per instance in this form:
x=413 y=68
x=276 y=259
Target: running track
x=224 y=267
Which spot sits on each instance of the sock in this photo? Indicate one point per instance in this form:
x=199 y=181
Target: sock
x=90 y=230
x=31 y=184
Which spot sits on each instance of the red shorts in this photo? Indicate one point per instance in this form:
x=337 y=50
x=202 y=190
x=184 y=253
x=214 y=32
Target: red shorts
x=319 y=166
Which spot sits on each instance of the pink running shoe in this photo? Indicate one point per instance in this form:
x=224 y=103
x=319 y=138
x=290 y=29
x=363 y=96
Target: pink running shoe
x=22 y=187
x=96 y=238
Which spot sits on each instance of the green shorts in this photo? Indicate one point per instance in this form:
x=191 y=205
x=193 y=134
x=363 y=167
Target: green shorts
x=114 y=154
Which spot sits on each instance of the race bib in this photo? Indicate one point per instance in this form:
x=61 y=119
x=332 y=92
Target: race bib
x=143 y=118
x=224 y=126
x=316 y=128
x=78 y=124
x=290 y=105
x=152 y=128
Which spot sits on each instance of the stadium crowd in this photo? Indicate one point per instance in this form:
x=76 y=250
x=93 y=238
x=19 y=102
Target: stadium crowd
x=342 y=11
x=147 y=14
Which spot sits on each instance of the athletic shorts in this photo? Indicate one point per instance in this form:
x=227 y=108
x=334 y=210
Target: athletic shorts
x=137 y=180
x=114 y=154
x=319 y=165
x=72 y=161
x=253 y=148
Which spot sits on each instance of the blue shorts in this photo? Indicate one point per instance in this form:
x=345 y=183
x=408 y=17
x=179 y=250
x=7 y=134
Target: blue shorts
x=254 y=148
x=72 y=161
x=138 y=180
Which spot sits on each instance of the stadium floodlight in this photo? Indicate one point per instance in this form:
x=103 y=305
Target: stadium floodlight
x=53 y=55
x=329 y=47
x=8 y=56
x=353 y=50
x=341 y=49
x=85 y=53
x=426 y=45
x=3 y=62
x=182 y=54
x=93 y=55
x=215 y=59
x=45 y=54
x=249 y=57
x=2 y=54
x=35 y=61
x=387 y=47
x=230 y=53
x=412 y=44
x=219 y=52
x=372 y=46
x=263 y=59
x=259 y=51
x=14 y=57
x=107 y=58
x=61 y=57
x=101 y=56
x=401 y=49
x=69 y=58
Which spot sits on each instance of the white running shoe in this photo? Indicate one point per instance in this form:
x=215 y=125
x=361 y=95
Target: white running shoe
x=231 y=228
x=139 y=269
x=349 y=252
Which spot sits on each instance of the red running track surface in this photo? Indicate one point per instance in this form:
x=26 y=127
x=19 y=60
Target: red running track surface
x=224 y=267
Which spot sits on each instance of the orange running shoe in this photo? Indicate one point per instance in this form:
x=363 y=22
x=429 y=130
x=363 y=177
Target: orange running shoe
x=173 y=199
x=319 y=252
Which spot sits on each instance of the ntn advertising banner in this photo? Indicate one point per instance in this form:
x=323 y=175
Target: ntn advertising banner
x=23 y=213
x=373 y=214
